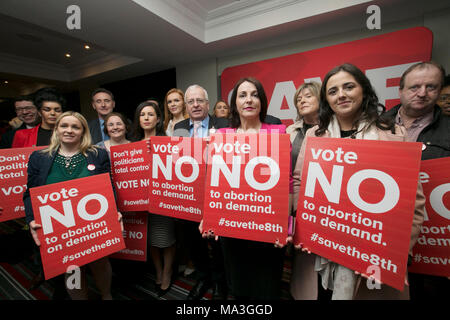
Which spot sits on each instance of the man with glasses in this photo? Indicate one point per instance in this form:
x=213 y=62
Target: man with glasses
x=418 y=112
x=206 y=254
x=27 y=112
x=103 y=103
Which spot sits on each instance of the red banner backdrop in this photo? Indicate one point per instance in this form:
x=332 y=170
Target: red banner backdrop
x=431 y=254
x=383 y=58
x=135 y=226
x=247 y=189
x=356 y=204
x=13 y=181
x=130 y=167
x=178 y=177
x=79 y=223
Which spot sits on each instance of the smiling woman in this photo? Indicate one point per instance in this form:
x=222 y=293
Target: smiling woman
x=349 y=108
x=116 y=127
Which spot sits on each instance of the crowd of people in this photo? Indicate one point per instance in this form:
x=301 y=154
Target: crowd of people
x=344 y=106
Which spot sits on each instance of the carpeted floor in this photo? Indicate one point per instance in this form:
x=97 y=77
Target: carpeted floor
x=131 y=280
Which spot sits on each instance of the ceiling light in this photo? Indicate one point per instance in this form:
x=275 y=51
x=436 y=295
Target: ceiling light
x=86 y=47
x=68 y=55
x=6 y=81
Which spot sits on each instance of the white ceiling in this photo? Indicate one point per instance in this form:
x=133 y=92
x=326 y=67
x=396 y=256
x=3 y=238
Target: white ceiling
x=135 y=37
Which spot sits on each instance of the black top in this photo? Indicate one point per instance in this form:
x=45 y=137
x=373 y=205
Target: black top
x=348 y=133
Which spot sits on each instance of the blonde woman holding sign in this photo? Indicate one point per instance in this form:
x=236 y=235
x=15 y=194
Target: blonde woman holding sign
x=70 y=155
x=116 y=127
x=253 y=268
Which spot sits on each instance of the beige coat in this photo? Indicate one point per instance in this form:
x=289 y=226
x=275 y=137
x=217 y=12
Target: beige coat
x=303 y=282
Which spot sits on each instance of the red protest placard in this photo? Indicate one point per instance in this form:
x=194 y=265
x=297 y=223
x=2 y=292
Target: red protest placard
x=356 y=204
x=431 y=254
x=135 y=236
x=178 y=177
x=13 y=181
x=130 y=167
x=79 y=222
x=247 y=189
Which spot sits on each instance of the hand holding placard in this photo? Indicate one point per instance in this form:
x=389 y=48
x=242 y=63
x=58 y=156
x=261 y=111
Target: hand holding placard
x=79 y=222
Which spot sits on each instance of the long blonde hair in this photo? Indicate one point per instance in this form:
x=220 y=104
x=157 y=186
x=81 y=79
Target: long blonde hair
x=86 y=140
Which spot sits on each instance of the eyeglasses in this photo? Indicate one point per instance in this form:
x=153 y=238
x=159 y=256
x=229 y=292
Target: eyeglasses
x=192 y=101
x=22 y=109
x=444 y=97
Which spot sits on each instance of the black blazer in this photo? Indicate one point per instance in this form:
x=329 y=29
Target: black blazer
x=95 y=130
x=39 y=166
x=182 y=128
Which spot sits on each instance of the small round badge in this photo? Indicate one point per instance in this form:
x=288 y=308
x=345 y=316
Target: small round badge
x=91 y=167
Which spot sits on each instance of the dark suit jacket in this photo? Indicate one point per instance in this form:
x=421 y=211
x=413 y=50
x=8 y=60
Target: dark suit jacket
x=95 y=130
x=182 y=128
x=39 y=166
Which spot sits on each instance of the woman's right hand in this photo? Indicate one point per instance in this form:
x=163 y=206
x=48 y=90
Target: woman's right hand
x=33 y=227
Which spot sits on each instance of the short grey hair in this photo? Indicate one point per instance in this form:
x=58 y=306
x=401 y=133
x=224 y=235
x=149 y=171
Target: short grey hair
x=195 y=86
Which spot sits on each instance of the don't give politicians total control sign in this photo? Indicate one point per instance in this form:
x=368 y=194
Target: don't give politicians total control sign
x=356 y=204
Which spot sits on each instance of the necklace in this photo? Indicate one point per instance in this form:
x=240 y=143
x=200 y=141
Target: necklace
x=70 y=163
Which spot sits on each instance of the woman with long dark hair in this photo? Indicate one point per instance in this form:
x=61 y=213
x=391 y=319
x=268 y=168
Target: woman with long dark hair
x=254 y=269
x=349 y=108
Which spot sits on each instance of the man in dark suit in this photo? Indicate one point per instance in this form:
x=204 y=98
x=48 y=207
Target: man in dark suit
x=27 y=113
x=208 y=263
x=103 y=103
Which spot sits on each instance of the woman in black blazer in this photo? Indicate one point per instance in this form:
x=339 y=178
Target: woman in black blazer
x=70 y=155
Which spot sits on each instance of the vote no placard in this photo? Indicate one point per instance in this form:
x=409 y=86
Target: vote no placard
x=356 y=204
x=13 y=181
x=247 y=186
x=135 y=226
x=79 y=223
x=431 y=254
x=130 y=168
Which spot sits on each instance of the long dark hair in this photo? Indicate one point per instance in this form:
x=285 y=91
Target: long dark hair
x=372 y=111
x=235 y=119
x=138 y=132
